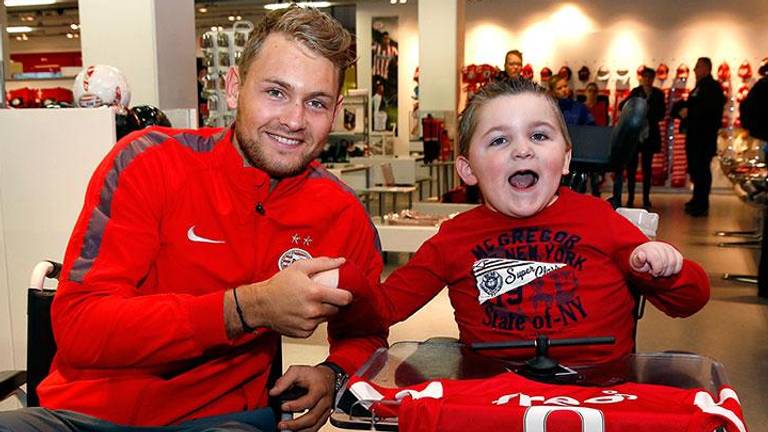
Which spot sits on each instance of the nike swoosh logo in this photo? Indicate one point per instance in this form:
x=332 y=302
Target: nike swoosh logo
x=196 y=238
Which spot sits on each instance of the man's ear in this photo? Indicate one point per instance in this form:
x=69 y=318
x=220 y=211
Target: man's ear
x=567 y=163
x=232 y=87
x=465 y=171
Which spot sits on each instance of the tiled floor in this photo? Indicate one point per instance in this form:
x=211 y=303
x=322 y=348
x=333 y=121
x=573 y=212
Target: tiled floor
x=732 y=328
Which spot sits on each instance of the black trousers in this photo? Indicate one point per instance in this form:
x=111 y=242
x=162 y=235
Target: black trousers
x=699 y=168
x=647 y=158
x=46 y=420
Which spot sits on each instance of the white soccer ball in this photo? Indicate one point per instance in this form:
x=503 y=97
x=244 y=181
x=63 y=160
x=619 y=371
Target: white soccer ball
x=98 y=85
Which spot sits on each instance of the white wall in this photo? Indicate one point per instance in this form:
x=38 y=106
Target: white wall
x=44 y=171
x=617 y=33
x=408 y=47
x=439 y=86
x=151 y=41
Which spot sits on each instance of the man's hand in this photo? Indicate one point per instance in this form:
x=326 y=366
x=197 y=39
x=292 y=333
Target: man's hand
x=657 y=258
x=289 y=302
x=319 y=382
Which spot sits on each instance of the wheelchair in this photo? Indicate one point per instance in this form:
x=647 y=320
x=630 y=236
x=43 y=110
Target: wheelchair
x=596 y=150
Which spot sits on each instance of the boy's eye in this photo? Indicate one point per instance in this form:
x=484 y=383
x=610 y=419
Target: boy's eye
x=538 y=136
x=498 y=141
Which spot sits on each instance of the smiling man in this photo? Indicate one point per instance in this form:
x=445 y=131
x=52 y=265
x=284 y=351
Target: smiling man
x=194 y=253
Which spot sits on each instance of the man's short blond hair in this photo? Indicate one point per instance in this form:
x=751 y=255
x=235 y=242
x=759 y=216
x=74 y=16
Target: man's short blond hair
x=316 y=30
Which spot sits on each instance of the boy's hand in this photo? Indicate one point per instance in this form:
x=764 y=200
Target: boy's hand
x=657 y=258
x=328 y=278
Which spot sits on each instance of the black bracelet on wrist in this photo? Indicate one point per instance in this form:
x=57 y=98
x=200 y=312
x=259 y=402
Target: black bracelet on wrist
x=246 y=327
x=340 y=378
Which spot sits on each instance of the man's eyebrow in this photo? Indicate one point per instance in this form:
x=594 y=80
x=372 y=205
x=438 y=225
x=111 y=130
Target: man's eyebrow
x=279 y=82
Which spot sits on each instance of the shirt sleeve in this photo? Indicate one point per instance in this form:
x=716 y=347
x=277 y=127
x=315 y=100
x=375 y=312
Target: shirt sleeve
x=413 y=285
x=377 y=305
x=679 y=295
x=353 y=335
x=100 y=319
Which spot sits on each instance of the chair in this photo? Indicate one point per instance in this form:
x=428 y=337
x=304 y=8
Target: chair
x=598 y=149
x=391 y=188
x=41 y=346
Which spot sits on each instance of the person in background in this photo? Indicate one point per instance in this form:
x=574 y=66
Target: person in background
x=513 y=64
x=194 y=252
x=649 y=143
x=574 y=112
x=598 y=107
x=754 y=109
x=702 y=114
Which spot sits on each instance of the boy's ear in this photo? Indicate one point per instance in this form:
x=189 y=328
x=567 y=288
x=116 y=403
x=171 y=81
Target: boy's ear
x=465 y=171
x=567 y=163
x=233 y=87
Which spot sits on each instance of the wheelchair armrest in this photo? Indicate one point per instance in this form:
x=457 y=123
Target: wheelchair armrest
x=10 y=382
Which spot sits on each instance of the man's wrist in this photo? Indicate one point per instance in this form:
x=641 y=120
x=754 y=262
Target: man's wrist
x=340 y=375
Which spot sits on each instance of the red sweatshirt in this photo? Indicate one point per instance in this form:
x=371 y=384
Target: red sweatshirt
x=172 y=219
x=512 y=403
x=563 y=273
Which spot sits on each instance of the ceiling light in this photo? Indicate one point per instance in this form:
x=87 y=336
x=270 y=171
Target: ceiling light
x=403 y=1
x=392 y=1
x=238 y=18
x=15 y=3
x=70 y=36
x=74 y=26
x=213 y=28
x=77 y=35
x=317 y=4
x=202 y=9
x=18 y=29
x=231 y=17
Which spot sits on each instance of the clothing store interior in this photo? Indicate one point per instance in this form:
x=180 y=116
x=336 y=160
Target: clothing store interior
x=472 y=157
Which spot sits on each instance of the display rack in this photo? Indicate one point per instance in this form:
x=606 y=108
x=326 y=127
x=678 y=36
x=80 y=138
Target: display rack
x=351 y=125
x=221 y=51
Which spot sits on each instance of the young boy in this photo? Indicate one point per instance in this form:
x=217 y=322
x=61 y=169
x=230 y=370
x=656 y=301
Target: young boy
x=537 y=258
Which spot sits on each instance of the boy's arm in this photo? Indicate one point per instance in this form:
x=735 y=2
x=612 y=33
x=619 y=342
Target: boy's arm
x=354 y=334
x=679 y=295
x=377 y=306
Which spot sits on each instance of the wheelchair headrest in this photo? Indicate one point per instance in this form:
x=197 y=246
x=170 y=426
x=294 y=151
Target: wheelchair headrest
x=626 y=133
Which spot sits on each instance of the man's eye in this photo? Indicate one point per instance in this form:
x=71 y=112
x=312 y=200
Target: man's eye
x=538 y=136
x=274 y=93
x=316 y=104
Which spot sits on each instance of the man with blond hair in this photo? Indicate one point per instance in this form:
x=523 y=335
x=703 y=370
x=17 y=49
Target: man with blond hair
x=194 y=252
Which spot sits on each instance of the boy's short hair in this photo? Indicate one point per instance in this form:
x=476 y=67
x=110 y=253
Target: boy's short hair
x=468 y=117
x=316 y=30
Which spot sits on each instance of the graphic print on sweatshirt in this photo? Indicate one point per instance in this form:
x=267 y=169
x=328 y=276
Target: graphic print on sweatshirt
x=527 y=279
